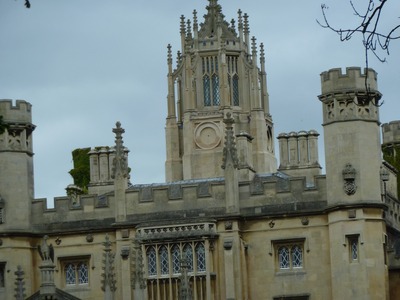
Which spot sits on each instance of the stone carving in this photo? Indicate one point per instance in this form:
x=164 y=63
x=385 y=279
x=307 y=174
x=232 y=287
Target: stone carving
x=19 y=282
x=46 y=251
x=185 y=290
x=120 y=164
x=108 y=282
x=89 y=238
x=230 y=151
x=138 y=280
x=349 y=175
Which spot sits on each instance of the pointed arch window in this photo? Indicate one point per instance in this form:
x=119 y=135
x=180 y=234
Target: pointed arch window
x=76 y=272
x=151 y=261
x=200 y=257
x=233 y=80
x=164 y=265
x=211 y=89
x=176 y=259
x=188 y=255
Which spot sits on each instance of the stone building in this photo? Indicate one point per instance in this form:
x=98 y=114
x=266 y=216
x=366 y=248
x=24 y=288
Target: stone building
x=229 y=223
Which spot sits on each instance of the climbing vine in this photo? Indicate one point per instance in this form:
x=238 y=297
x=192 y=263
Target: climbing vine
x=81 y=171
x=392 y=156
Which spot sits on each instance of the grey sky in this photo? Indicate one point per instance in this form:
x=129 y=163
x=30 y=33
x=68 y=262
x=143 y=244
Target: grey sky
x=86 y=64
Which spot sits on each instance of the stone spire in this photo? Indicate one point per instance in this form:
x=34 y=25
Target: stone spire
x=120 y=164
x=108 y=283
x=212 y=20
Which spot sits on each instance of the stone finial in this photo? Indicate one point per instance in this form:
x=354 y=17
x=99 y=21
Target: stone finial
x=189 y=30
x=19 y=283
x=230 y=151
x=183 y=28
x=169 y=59
x=108 y=282
x=138 y=279
x=120 y=164
x=246 y=23
x=262 y=53
x=195 y=21
x=254 y=45
x=240 y=20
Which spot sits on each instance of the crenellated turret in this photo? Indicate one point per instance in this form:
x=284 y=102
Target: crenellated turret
x=216 y=73
x=351 y=131
x=16 y=164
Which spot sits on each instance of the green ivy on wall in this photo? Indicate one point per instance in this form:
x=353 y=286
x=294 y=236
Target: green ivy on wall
x=392 y=156
x=81 y=171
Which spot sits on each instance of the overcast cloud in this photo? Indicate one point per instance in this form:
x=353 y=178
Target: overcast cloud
x=86 y=64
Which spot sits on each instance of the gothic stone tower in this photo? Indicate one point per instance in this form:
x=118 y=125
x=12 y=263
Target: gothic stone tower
x=16 y=165
x=217 y=72
x=352 y=152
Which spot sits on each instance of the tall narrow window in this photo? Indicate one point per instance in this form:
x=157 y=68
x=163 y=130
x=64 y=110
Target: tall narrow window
x=353 y=247
x=200 y=257
x=164 y=265
x=2 y=274
x=151 y=261
x=188 y=255
x=70 y=277
x=233 y=80
x=83 y=273
x=283 y=256
x=176 y=259
x=211 y=81
x=1 y=216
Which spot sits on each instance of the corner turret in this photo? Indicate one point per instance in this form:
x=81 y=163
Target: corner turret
x=16 y=164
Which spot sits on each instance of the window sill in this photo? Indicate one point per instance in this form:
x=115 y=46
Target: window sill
x=290 y=272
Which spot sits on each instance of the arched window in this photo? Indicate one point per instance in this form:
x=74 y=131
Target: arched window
x=151 y=261
x=200 y=257
x=297 y=257
x=233 y=80
x=283 y=257
x=70 y=277
x=176 y=259
x=83 y=273
x=164 y=265
x=188 y=255
x=211 y=81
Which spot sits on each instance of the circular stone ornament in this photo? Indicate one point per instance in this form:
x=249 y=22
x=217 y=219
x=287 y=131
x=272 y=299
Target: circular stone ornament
x=207 y=135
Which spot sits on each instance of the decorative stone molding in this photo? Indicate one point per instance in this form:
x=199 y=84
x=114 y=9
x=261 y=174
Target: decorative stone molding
x=349 y=176
x=176 y=231
x=228 y=225
x=89 y=238
x=305 y=221
x=138 y=280
x=228 y=243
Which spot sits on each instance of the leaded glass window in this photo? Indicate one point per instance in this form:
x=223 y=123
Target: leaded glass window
x=70 y=277
x=83 y=273
x=151 y=261
x=76 y=272
x=200 y=257
x=233 y=80
x=290 y=255
x=297 y=257
x=283 y=254
x=211 y=89
x=188 y=255
x=1 y=215
x=164 y=265
x=176 y=259
x=353 y=247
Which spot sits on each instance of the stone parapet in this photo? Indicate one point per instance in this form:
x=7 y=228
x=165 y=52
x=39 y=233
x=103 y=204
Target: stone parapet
x=391 y=133
x=21 y=112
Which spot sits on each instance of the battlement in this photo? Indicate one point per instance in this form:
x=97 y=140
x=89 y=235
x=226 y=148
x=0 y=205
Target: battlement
x=391 y=132
x=265 y=194
x=21 y=112
x=353 y=79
